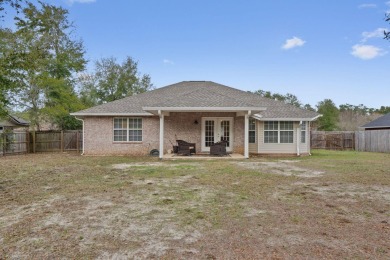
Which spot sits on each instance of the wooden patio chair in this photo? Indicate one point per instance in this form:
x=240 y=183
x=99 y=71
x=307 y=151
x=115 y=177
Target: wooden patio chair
x=185 y=148
x=218 y=148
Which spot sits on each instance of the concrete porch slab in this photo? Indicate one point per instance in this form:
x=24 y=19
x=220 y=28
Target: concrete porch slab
x=233 y=156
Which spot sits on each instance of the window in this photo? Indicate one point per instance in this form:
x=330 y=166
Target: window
x=303 y=132
x=286 y=132
x=252 y=131
x=120 y=129
x=135 y=129
x=127 y=129
x=271 y=132
x=278 y=132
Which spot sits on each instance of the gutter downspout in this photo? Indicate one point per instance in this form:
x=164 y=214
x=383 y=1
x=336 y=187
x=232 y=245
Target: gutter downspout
x=82 y=120
x=298 y=138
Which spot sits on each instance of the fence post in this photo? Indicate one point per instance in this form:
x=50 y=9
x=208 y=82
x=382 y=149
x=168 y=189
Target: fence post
x=27 y=141
x=34 y=141
x=77 y=141
x=2 y=136
x=62 y=141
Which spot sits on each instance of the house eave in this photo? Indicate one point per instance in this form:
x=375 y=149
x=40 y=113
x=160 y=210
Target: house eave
x=373 y=127
x=287 y=119
x=110 y=114
x=154 y=110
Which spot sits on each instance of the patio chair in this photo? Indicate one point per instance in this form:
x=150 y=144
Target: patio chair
x=185 y=148
x=218 y=148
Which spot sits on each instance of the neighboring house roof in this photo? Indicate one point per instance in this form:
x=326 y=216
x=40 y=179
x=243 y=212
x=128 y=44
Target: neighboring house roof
x=380 y=122
x=199 y=96
x=13 y=121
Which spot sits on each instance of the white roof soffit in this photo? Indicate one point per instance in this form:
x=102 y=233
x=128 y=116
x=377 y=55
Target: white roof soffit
x=154 y=110
x=259 y=117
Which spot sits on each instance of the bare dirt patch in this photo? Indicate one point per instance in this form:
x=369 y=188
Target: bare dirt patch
x=55 y=206
x=281 y=167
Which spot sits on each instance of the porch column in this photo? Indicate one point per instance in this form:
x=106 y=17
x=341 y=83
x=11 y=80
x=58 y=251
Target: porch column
x=161 y=153
x=246 y=135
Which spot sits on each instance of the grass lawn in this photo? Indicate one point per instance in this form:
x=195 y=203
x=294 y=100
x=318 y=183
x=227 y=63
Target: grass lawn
x=332 y=205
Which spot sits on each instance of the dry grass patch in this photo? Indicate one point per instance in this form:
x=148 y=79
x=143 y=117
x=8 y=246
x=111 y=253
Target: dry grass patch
x=68 y=206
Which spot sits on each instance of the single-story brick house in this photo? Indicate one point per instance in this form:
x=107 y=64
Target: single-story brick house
x=200 y=112
x=381 y=123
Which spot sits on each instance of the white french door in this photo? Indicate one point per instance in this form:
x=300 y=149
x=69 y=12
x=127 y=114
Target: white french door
x=215 y=129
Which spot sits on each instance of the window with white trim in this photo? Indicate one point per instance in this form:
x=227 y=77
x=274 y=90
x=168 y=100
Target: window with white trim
x=278 y=132
x=271 y=132
x=252 y=131
x=286 y=132
x=303 y=132
x=127 y=129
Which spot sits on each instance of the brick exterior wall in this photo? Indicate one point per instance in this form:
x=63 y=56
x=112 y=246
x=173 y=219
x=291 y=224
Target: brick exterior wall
x=98 y=131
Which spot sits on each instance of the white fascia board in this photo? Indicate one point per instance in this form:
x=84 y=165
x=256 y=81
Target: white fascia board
x=110 y=114
x=196 y=109
x=257 y=117
x=286 y=119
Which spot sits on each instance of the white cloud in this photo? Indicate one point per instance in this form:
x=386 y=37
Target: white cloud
x=71 y=2
x=168 y=62
x=378 y=33
x=293 y=43
x=367 y=6
x=366 y=52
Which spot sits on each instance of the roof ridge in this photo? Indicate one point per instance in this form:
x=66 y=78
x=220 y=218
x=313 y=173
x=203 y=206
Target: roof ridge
x=176 y=97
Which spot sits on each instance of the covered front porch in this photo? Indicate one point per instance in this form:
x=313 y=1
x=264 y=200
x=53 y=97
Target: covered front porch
x=204 y=127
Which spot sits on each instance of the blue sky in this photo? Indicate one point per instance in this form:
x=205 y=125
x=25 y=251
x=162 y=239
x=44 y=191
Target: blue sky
x=313 y=49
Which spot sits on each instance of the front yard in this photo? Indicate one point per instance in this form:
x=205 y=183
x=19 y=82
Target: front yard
x=330 y=205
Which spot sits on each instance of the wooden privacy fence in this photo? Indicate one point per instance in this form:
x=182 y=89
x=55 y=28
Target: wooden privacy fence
x=373 y=141
x=14 y=142
x=335 y=140
x=42 y=141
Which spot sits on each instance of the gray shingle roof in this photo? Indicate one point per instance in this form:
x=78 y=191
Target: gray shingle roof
x=13 y=121
x=19 y=121
x=190 y=94
x=383 y=121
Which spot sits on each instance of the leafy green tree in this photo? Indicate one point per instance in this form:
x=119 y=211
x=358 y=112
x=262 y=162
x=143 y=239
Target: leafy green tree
x=360 y=109
x=15 y=4
x=6 y=82
x=330 y=115
x=6 y=72
x=383 y=110
x=308 y=107
x=112 y=81
x=263 y=93
x=47 y=60
x=292 y=100
x=288 y=98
